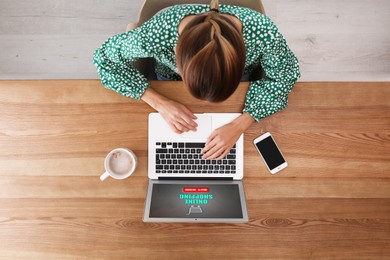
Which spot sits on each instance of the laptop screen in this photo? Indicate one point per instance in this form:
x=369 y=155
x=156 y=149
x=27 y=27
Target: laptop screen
x=198 y=201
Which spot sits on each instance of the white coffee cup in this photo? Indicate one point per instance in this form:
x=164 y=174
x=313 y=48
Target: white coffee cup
x=120 y=163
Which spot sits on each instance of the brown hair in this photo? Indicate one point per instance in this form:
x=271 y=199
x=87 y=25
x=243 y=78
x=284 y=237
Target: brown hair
x=210 y=55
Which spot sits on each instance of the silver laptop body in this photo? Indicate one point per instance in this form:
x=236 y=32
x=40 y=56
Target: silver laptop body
x=165 y=143
x=183 y=187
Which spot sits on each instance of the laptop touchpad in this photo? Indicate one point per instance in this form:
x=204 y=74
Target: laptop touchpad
x=163 y=131
x=203 y=129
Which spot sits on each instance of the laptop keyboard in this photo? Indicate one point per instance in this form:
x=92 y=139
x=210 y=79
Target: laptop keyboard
x=186 y=158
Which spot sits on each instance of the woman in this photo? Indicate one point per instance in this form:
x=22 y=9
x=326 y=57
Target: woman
x=211 y=48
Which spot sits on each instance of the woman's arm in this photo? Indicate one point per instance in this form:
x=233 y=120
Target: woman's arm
x=270 y=94
x=266 y=96
x=113 y=63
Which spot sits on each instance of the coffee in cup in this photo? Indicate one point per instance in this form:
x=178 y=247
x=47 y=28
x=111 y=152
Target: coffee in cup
x=120 y=163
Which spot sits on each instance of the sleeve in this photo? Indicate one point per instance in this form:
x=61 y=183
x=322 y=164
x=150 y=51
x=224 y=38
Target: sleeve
x=269 y=95
x=113 y=63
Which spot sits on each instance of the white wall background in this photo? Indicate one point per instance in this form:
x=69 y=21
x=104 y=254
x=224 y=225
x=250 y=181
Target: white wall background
x=335 y=40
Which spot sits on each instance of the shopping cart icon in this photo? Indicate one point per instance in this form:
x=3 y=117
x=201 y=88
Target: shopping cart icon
x=194 y=210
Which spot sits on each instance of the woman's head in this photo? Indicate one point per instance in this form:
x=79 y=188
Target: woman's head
x=211 y=55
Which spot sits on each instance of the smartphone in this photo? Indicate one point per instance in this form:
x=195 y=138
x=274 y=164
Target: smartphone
x=270 y=153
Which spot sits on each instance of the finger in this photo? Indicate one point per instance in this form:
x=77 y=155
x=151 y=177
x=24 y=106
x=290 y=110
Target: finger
x=209 y=143
x=223 y=155
x=207 y=155
x=190 y=117
x=216 y=154
x=208 y=147
x=189 y=120
x=189 y=113
x=184 y=124
x=176 y=129
x=181 y=127
x=185 y=120
x=179 y=123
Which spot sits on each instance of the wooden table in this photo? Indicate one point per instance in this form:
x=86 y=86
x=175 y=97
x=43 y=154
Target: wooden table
x=333 y=200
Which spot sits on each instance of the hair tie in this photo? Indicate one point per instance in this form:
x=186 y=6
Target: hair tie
x=214 y=10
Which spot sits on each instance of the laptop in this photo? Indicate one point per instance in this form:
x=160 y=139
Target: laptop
x=185 y=188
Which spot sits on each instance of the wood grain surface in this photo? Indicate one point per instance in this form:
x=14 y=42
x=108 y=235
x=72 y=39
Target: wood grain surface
x=331 y=202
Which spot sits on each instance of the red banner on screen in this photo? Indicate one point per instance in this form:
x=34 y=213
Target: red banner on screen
x=195 y=189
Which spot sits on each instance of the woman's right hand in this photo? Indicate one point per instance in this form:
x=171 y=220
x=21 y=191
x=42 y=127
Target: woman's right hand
x=178 y=116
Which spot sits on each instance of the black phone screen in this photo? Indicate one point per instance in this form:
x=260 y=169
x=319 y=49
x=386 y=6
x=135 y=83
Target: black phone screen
x=270 y=152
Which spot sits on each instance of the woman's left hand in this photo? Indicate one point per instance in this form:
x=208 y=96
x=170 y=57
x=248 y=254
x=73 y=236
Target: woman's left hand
x=223 y=139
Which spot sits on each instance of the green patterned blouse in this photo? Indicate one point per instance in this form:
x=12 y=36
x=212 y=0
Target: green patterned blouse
x=157 y=38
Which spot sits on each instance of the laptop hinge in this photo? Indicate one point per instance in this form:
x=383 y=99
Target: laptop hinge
x=196 y=178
